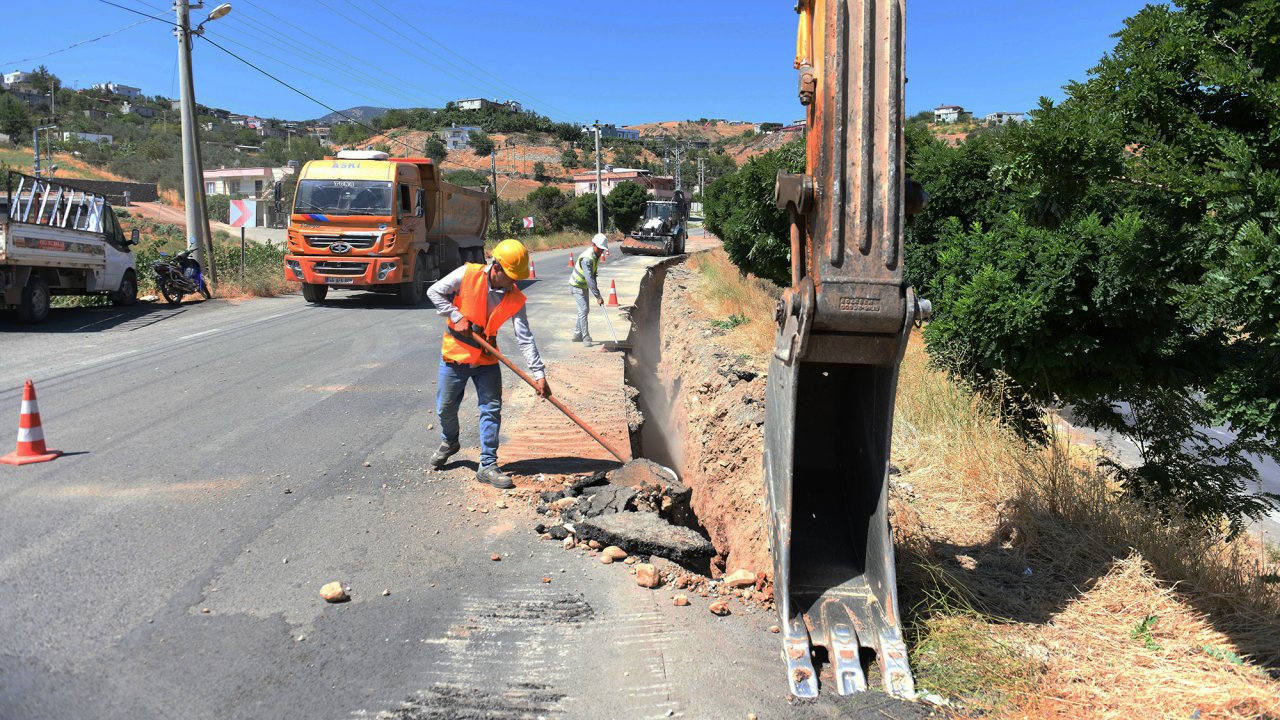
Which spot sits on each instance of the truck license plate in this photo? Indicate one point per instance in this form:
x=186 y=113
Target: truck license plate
x=340 y=281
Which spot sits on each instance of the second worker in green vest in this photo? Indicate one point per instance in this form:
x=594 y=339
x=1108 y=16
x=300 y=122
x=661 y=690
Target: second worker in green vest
x=583 y=280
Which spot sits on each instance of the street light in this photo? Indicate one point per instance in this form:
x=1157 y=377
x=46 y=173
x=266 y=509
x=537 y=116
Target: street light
x=218 y=12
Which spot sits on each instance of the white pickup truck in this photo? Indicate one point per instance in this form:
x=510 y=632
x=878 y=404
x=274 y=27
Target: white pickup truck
x=59 y=240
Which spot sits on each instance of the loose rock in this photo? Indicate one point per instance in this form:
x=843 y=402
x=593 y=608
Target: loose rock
x=495 y=557
x=385 y=592
x=606 y=560
x=680 y=601
x=568 y=543
x=334 y=592
x=647 y=575
x=775 y=629
x=719 y=607
x=614 y=552
x=740 y=578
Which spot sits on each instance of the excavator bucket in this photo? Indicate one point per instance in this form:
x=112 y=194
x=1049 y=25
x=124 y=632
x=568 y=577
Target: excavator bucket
x=843 y=327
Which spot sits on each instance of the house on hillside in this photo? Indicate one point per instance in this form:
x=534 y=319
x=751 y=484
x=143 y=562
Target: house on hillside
x=251 y=181
x=320 y=133
x=139 y=110
x=948 y=113
x=127 y=91
x=456 y=137
x=612 y=131
x=88 y=137
x=658 y=186
x=94 y=114
x=17 y=82
x=1004 y=118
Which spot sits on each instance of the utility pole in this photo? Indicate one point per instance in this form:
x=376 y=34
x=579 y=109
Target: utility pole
x=702 y=176
x=493 y=171
x=599 y=184
x=35 y=145
x=678 y=152
x=198 y=235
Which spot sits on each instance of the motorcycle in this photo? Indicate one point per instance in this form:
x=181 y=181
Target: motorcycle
x=179 y=276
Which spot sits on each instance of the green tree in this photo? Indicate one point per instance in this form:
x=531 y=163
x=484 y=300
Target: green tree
x=626 y=204
x=15 y=121
x=740 y=210
x=547 y=203
x=480 y=143
x=569 y=159
x=434 y=149
x=540 y=171
x=580 y=213
x=466 y=178
x=1123 y=256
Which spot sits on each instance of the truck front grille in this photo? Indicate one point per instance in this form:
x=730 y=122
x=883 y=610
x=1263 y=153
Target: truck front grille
x=338 y=267
x=357 y=242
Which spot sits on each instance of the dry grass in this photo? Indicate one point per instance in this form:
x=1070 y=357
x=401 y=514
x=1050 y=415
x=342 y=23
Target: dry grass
x=745 y=302
x=1033 y=590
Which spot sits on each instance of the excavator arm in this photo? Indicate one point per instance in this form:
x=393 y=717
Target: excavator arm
x=842 y=329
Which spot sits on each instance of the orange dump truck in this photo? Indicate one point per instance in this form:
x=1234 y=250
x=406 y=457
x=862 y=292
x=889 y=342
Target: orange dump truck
x=366 y=221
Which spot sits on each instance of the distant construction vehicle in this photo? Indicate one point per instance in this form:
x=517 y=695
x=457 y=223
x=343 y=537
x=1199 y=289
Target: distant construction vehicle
x=366 y=221
x=843 y=327
x=663 y=229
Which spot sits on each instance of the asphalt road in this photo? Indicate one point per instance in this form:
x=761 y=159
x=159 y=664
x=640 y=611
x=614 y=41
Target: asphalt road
x=226 y=460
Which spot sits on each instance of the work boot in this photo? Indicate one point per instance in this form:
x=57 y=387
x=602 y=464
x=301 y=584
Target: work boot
x=443 y=453
x=492 y=475
x=576 y=338
x=586 y=340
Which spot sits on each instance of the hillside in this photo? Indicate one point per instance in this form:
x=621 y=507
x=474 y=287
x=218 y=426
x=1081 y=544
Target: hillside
x=363 y=113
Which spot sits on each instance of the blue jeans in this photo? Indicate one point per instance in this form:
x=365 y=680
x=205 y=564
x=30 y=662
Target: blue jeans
x=451 y=384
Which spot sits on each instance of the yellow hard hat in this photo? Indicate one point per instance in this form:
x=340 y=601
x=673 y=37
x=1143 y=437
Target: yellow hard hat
x=514 y=259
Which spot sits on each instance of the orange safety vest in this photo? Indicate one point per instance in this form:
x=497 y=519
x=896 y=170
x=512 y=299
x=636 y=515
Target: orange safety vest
x=472 y=300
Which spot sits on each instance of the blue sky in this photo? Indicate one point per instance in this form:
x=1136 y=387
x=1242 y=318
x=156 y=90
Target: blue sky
x=620 y=62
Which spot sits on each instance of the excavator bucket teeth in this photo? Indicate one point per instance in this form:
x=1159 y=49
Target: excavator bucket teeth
x=832 y=547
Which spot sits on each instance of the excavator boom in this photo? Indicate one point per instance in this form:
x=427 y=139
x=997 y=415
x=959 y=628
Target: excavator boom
x=842 y=330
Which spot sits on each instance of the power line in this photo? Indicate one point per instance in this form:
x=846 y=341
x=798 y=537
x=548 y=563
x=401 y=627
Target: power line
x=74 y=45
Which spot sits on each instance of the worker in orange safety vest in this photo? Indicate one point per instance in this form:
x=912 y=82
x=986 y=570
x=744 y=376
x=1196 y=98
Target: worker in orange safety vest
x=481 y=298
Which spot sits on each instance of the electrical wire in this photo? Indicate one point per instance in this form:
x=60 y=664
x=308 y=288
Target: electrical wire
x=73 y=45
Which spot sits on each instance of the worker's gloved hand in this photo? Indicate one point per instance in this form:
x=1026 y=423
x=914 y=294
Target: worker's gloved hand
x=463 y=326
x=600 y=301
x=542 y=388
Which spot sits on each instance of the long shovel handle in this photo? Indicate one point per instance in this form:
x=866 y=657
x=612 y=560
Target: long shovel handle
x=552 y=398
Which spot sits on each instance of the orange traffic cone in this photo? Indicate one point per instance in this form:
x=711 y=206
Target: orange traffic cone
x=603 y=255
x=613 y=294
x=31 y=447
x=570 y=261
x=533 y=272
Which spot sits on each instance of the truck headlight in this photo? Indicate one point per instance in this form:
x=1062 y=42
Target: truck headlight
x=295 y=267
x=386 y=269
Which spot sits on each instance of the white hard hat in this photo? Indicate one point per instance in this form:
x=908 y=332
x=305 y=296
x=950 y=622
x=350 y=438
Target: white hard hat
x=600 y=241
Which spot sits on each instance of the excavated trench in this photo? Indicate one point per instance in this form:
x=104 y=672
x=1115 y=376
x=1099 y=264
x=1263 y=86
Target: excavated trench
x=698 y=408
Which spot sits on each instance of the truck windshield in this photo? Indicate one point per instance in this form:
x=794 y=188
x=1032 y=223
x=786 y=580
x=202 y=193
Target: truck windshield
x=344 y=197
x=658 y=210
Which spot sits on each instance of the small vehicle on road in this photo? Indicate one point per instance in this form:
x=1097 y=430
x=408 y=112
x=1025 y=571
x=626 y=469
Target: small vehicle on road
x=178 y=277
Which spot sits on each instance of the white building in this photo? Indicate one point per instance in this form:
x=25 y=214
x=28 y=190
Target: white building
x=17 y=80
x=659 y=187
x=1004 y=118
x=456 y=137
x=250 y=181
x=87 y=137
x=947 y=113
x=132 y=93
x=139 y=110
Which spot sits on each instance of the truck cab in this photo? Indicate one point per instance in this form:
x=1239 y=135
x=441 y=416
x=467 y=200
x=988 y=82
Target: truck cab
x=365 y=221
